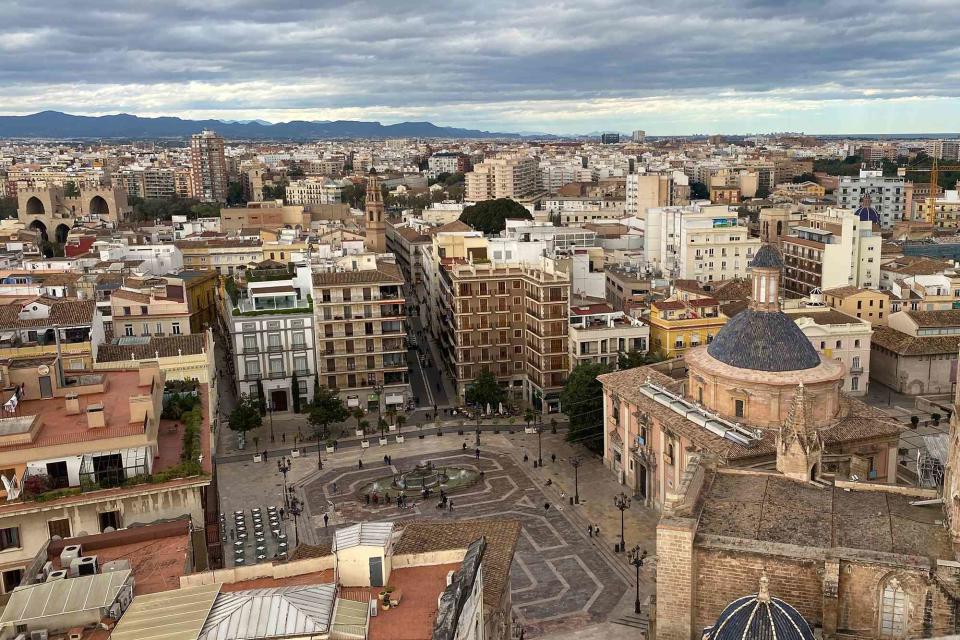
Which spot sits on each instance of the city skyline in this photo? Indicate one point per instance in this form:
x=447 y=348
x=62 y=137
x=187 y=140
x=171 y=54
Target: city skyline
x=734 y=67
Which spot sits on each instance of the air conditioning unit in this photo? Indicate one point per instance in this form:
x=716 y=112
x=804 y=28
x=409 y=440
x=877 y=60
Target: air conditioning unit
x=60 y=574
x=69 y=553
x=84 y=566
x=40 y=634
x=47 y=568
x=115 y=565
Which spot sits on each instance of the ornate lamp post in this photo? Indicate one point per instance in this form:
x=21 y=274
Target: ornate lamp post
x=621 y=502
x=637 y=556
x=575 y=462
x=283 y=466
x=295 y=509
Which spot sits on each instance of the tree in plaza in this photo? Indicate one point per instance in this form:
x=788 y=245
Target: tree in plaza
x=357 y=414
x=582 y=399
x=392 y=415
x=327 y=407
x=261 y=398
x=245 y=416
x=490 y=216
x=528 y=416
x=316 y=386
x=401 y=420
x=362 y=426
x=382 y=425
x=485 y=390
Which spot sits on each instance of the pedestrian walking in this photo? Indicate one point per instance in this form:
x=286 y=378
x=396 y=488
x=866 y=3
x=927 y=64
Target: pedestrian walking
x=464 y=446
x=478 y=453
x=450 y=505
x=232 y=533
x=326 y=519
x=283 y=436
x=360 y=464
x=596 y=530
x=553 y=457
x=334 y=487
x=590 y=530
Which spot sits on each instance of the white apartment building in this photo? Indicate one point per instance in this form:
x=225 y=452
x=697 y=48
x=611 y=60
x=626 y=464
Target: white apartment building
x=503 y=177
x=158 y=259
x=272 y=331
x=307 y=191
x=577 y=210
x=598 y=335
x=838 y=336
x=703 y=243
x=892 y=197
x=444 y=162
x=836 y=248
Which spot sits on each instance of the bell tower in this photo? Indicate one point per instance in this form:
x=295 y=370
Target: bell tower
x=799 y=447
x=376 y=230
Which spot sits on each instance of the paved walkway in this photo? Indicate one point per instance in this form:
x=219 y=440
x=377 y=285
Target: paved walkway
x=562 y=578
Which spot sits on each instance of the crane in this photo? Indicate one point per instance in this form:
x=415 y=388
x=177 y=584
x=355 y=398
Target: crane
x=934 y=171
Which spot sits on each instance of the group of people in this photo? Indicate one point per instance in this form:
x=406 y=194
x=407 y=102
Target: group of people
x=593 y=530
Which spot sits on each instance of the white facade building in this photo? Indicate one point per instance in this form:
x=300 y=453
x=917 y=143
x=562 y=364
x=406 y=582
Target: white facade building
x=890 y=196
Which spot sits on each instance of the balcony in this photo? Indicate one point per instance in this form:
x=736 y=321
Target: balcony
x=277 y=375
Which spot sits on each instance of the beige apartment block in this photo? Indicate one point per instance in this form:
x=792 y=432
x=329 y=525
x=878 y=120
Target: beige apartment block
x=208 y=166
x=509 y=319
x=503 y=177
x=163 y=311
x=599 y=334
x=361 y=334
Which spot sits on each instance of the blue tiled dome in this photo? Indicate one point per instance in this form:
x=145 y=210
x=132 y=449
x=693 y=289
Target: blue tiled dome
x=763 y=341
x=759 y=618
x=767 y=257
x=868 y=214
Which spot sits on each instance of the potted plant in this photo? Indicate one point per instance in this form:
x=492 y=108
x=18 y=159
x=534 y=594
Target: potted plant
x=331 y=444
x=392 y=419
x=357 y=414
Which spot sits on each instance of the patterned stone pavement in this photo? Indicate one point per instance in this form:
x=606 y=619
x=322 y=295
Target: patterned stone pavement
x=561 y=579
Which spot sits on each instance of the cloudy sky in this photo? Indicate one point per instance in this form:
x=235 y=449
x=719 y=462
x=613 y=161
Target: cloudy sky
x=680 y=67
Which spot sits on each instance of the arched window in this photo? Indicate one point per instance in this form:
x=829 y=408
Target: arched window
x=893 y=610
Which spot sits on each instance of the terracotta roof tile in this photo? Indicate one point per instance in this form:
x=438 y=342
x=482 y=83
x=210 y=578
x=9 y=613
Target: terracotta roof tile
x=906 y=345
x=167 y=346
x=385 y=272
x=501 y=536
x=64 y=312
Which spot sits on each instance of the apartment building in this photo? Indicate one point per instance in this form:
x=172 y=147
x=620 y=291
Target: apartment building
x=649 y=190
x=226 y=256
x=39 y=326
x=208 y=167
x=148 y=182
x=627 y=287
x=841 y=337
x=502 y=177
x=946 y=210
x=679 y=324
x=153 y=309
x=599 y=335
x=271 y=324
x=446 y=162
x=703 y=243
x=310 y=191
x=836 y=248
x=360 y=315
x=891 y=196
x=508 y=319
x=866 y=304
x=572 y=210
x=87 y=453
x=916 y=353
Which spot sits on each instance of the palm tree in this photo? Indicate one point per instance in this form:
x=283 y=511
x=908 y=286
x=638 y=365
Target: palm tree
x=357 y=414
x=401 y=420
x=529 y=416
x=363 y=425
x=382 y=424
x=392 y=415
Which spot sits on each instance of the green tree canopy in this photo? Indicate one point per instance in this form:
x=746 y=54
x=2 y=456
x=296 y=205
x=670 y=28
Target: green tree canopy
x=8 y=208
x=699 y=191
x=70 y=189
x=636 y=359
x=245 y=416
x=490 y=216
x=326 y=408
x=485 y=390
x=582 y=401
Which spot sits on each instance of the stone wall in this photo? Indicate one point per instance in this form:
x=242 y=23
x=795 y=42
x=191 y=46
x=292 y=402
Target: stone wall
x=676 y=586
x=723 y=576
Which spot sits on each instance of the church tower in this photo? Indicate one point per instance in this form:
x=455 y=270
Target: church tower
x=376 y=230
x=799 y=447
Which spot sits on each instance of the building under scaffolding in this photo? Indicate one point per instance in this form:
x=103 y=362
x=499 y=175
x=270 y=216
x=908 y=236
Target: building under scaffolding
x=932 y=460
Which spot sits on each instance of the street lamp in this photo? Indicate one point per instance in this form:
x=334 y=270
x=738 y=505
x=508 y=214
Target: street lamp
x=621 y=502
x=295 y=509
x=477 y=442
x=283 y=466
x=378 y=389
x=575 y=462
x=637 y=556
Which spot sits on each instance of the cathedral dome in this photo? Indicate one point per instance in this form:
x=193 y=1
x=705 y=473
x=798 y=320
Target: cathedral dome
x=759 y=617
x=763 y=341
x=767 y=258
x=868 y=214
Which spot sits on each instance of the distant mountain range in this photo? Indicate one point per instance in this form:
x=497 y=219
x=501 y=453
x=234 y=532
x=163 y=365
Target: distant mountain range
x=64 y=126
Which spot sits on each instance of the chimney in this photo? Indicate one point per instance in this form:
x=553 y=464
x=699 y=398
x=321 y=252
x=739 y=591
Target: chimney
x=95 y=417
x=147 y=371
x=73 y=404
